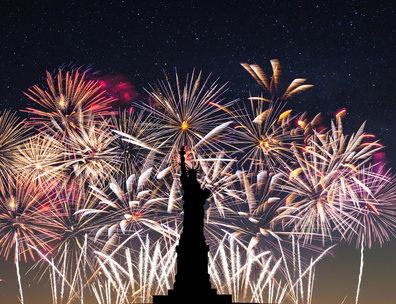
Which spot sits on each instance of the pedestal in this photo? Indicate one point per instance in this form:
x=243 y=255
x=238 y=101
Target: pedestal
x=192 y=281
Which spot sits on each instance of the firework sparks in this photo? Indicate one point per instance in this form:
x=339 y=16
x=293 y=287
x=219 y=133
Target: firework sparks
x=375 y=196
x=38 y=159
x=188 y=116
x=274 y=85
x=72 y=253
x=70 y=101
x=266 y=138
x=87 y=187
x=17 y=267
x=12 y=133
x=327 y=164
x=136 y=140
x=138 y=203
x=20 y=205
x=361 y=269
x=90 y=152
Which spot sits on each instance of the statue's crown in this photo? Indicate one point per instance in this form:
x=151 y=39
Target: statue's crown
x=182 y=151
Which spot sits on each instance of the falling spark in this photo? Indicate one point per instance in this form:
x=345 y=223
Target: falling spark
x=17 y=267
x=361 y=269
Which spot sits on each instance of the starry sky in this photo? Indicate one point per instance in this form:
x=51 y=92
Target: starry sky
x=346 y=49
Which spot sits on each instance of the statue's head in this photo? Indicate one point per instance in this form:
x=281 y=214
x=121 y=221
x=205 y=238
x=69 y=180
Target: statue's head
x=192 y=173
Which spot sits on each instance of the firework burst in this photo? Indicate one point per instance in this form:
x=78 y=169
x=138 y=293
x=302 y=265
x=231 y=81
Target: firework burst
x=89 y=153
x=316 y=187
x=265 y=139
x=274 y=86
x=70 y=100
x=137 y=203
x=377 y=208
x=21 y=218
x=72 y=253
x=190 y=116
x=12 y=134
x=136 y=140
x=39 y=158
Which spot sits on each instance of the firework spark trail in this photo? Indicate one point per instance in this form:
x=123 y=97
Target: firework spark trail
x=294 y=256
x=63 y=271
x=77 y=273
x=299 y=272
x=130 y=269
x=310 y=283
x=293 y=286
x=53 y=285
x=288 y=277
x=361 y=269
x=17 y=267
x=60 y=273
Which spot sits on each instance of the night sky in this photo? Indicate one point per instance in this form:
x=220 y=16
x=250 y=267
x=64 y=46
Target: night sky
x=346 y=49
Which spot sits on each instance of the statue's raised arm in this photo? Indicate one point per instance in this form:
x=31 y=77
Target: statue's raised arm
x=182 y=152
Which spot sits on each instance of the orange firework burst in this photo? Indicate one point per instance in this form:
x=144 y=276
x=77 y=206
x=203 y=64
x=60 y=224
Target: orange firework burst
x=39 y=158
x=265 y=138
x=187 y=115
x=89 y=152
x=274 y=85
x=12 y=134
x=21 y=219
x=69 y=102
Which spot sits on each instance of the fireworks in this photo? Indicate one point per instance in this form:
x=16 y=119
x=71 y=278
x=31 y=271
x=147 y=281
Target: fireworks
x=98 y=199
x=190 y=116
x=22 y=219
x=265 y=139
x=324 y=175
x=39 y=159
x=137 y=205
x=12 y=133
x=274 y=85
x=70 y=100
x=375 y=197
x=88 y=153
x=136 y=140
